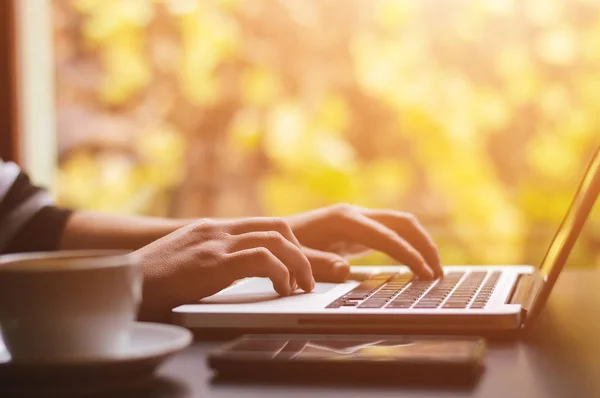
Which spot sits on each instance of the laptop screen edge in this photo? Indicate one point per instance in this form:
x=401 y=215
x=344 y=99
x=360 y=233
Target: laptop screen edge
x=570 y=228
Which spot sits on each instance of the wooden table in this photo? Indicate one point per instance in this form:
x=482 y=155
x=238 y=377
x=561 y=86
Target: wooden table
x=558 y=357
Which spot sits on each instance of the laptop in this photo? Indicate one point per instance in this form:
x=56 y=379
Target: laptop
x=467 y=298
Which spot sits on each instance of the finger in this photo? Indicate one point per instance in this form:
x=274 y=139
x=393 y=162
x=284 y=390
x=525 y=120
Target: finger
x=264 y=224
x=326 y=266
x=407 y=226
x=368 y=232
x=293 y=283
x=348 y=250
x=288 y=253
x=267 y=224
x=262 y=263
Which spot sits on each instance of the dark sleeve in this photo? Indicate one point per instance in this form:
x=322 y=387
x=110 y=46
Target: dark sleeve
x=37 y=225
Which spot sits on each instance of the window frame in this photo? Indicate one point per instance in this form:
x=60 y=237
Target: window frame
x=9 y=76
x=27 y=105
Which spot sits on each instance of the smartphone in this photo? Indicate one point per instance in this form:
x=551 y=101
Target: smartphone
x=351 y=358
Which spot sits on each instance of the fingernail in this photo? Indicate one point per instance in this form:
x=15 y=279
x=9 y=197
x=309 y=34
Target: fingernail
x=428 y=273
x=341 y=270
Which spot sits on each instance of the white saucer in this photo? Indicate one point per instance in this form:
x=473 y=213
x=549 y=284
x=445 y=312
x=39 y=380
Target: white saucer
x=151 y=344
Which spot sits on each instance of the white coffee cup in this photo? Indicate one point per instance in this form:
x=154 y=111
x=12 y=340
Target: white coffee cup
x=68 y=305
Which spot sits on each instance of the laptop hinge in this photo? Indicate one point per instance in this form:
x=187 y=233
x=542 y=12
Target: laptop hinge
x=527 y=290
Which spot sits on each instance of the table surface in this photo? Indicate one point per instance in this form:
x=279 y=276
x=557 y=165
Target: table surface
x=559 y=356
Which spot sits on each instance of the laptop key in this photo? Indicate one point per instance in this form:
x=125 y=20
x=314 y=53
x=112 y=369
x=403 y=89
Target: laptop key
x=455 y=305
x=486 y=291
x=426 y=305
x=465 y=291
x=439 y=292
x=362 y=291
x=385 y=294
x=410 y=295
x=335 y=304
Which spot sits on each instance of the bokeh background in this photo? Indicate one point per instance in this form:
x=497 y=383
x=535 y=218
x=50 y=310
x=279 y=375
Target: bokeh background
x=477 y=116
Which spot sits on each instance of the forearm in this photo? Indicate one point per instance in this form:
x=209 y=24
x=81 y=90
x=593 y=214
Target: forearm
x=92 y=230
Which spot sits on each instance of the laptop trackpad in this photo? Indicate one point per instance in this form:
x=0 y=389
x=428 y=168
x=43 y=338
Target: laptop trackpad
x=253 y=290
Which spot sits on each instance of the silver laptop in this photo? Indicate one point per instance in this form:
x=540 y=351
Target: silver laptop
x=467 y=298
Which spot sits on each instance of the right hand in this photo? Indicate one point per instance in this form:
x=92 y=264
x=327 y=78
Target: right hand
x=206 y=256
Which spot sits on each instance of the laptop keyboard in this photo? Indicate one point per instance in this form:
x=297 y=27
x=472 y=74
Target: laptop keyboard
x=456 y=290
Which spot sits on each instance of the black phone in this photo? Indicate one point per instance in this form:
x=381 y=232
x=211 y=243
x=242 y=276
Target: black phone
x=351 y=358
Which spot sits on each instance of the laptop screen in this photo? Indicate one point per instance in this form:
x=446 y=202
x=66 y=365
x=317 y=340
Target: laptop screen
x=569 y=230
x=574 y=221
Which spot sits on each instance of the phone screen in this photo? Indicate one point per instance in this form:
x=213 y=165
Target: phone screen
x=348 y=348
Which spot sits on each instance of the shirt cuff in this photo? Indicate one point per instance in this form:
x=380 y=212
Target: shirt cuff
x=43 y=232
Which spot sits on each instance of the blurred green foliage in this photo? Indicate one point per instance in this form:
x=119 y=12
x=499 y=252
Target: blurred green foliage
x=479 y=116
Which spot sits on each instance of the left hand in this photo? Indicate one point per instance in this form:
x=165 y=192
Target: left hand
x=331 y=234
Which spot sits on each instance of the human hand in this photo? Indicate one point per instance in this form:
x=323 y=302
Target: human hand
x=206 y=256
x=350 y=231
